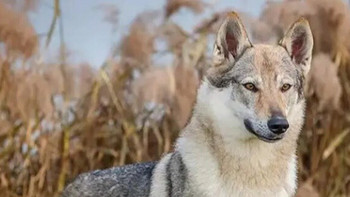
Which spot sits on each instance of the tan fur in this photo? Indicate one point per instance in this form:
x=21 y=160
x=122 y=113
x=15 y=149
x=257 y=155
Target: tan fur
x=270 y=99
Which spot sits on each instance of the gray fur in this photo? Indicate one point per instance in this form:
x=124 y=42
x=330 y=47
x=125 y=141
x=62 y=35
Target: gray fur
x=130 y=181
x=127 y=181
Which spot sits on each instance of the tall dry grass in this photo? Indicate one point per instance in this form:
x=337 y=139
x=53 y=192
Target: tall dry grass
x=58 y=120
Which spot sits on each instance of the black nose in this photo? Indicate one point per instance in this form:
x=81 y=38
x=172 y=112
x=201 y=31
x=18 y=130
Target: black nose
x=278 y=124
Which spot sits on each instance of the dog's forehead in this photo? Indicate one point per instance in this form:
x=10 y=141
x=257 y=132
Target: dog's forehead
x=266 y=60
x=268 y=56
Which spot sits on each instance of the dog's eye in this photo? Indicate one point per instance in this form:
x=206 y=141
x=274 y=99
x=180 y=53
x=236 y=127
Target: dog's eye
x=250 y=86
x=285 y=87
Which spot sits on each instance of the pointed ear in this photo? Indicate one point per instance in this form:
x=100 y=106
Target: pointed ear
x=231 y=39
x=298 y=42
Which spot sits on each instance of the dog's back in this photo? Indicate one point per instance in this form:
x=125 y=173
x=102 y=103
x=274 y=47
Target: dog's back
x=130 y=180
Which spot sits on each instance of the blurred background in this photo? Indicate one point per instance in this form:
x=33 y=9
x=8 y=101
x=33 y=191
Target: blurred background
x=93 y=84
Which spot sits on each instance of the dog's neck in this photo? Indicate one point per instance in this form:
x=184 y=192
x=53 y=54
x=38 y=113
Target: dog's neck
x=253 y=163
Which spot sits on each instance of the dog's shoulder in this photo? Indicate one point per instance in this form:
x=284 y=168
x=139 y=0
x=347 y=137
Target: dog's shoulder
x=129 y=180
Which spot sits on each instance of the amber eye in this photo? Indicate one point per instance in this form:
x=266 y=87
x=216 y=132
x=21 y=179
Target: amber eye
x=285 y=87
x=251 y=87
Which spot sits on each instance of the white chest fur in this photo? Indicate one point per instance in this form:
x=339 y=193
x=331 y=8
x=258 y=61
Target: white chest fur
x=211 y=179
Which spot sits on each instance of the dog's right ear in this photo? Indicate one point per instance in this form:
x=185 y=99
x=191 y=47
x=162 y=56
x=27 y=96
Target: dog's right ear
x=298 y=42
x=231 y=40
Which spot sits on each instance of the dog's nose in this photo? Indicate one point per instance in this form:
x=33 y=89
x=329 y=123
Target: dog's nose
x=278 y=124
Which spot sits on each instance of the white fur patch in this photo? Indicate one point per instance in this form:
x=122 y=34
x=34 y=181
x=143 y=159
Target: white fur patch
x=292 y=176
x=218 y=104
x=205 y=175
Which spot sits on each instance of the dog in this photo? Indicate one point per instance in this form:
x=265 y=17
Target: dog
x=242 y=137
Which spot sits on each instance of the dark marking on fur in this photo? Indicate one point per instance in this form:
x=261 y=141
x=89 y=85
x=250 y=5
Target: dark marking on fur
x=239 y=95
x=220 y=77
x=298 y=75
x=300 y=84
x=219 y=82
x=176 y=176
x=169 y=184
x=218 y=49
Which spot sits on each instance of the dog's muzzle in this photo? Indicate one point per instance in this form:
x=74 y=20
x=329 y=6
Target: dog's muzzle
x=276 y=129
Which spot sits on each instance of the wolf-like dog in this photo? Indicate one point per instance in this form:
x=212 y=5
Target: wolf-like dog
x=241 y=139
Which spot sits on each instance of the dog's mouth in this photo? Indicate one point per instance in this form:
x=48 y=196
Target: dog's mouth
x=267 y=138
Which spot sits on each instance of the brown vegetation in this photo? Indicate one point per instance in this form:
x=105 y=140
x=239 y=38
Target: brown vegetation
x=59 y=120
x=173 y=6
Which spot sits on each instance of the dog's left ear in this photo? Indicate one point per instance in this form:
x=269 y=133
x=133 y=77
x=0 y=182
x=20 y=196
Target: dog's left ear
x=298 y=42
x=231 y=40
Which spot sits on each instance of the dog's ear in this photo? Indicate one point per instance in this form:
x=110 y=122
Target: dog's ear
x=231 y=39
x=298 y=42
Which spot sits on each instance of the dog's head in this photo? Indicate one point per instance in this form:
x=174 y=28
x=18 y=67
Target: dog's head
x=258 y=88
